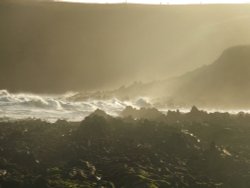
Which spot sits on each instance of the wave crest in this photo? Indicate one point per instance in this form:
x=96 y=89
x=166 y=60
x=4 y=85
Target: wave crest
x=53 y=107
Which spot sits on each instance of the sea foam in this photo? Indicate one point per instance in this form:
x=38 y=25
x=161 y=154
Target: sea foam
x=53 y=107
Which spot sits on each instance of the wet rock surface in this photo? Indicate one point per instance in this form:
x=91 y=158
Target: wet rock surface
x=196 y=150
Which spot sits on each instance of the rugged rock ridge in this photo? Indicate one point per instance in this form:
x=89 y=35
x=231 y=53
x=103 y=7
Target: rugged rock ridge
x=223 y=84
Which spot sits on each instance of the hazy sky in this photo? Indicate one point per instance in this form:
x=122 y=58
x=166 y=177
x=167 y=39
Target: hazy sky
x=173 y=2
x=55 y=47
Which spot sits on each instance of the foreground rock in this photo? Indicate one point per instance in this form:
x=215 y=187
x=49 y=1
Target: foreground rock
x=193 y=150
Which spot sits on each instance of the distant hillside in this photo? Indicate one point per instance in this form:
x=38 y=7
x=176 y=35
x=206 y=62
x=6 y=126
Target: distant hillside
x=225 y=83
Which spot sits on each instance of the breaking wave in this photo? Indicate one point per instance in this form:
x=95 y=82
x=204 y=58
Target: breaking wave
x=16 y=106
x=54 y=107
